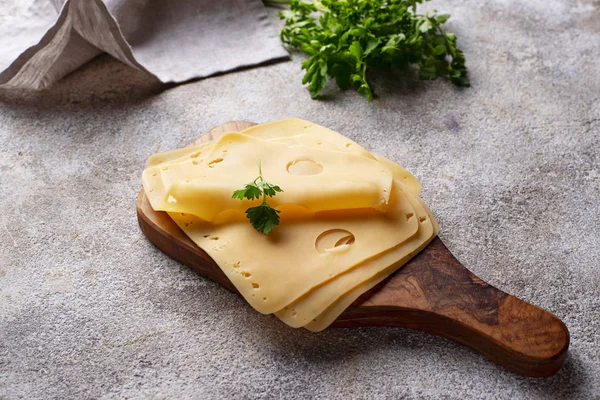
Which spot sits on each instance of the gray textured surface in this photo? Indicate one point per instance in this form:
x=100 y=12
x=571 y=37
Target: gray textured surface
x=90 y=309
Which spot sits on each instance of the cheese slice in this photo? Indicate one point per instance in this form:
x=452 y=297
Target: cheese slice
x=308 y=307
x=167 y=161
x=294 y=131
x=341 y=304
x=402 y=174
x=153 y=178
x=328 y=316
x=279 y=131
x=296 y=126
x=199 y=152
x=178 y=154
x=272 y=271
x=317 y=180
x=305 y=139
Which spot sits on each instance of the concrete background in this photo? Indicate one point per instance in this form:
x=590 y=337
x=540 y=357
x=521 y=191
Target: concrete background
x=90 y=309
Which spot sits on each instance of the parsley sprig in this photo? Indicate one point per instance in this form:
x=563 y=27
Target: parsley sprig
x=262 y=217
x=345 y=39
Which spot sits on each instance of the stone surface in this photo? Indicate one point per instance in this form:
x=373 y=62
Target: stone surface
x=510 y=166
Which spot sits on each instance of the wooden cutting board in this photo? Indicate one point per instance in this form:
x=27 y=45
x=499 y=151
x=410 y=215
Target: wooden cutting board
x=433 y=293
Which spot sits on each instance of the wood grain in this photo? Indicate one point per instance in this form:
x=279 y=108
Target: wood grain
x=433 y=293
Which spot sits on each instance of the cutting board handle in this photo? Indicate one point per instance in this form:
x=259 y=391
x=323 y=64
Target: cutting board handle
x=435 y=293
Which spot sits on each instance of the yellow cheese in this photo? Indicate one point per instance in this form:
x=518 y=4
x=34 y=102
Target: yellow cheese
x=275 y=270
x=156 y=184
x=173 y=155
x=294 y=131
x=401 y=174
x=326 y=252
x=307 y=308
x=308 y=133
x=315 y=179
x=165 y=164
x=328 y=316
x=336 y=309
x=296 y=126
x=308 y=140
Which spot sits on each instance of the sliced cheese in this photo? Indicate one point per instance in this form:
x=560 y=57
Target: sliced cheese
x=336 y=309
x=332 y=245
x=316 y=179
x=178 y=154
x=401 y=174
x=307 y=308
x=309 y=132
x=296 y=126
x=328 y=316
x=272 y=271
x=294 y=131
x=166 y=170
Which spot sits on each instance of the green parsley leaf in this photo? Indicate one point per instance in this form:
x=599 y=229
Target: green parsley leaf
x=356 y=50
x=345 y=39
x=251 y=191
x=269 y=189
x=262 y=217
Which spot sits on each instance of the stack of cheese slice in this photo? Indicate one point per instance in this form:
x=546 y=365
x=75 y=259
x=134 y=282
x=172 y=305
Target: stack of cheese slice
x=348 y=218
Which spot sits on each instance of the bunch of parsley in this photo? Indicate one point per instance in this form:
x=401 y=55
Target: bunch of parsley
x=346 y=38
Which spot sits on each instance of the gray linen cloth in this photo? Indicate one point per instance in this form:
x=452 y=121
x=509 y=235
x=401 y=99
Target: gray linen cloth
x=173 y=40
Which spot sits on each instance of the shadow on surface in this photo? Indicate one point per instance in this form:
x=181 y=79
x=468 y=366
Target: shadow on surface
x=103 y=81
x=569 y=380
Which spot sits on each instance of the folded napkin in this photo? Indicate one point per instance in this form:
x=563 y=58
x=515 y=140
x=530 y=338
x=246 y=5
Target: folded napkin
x=174 y=40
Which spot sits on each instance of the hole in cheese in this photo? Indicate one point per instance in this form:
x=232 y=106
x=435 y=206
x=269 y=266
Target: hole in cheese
x=345 y=240
x=409 y=216
x=194 y=155
x=334 y=240
x=304 y=167
x=255 y=285
x=246 y=274
x=422 y=219
x=215 y=161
